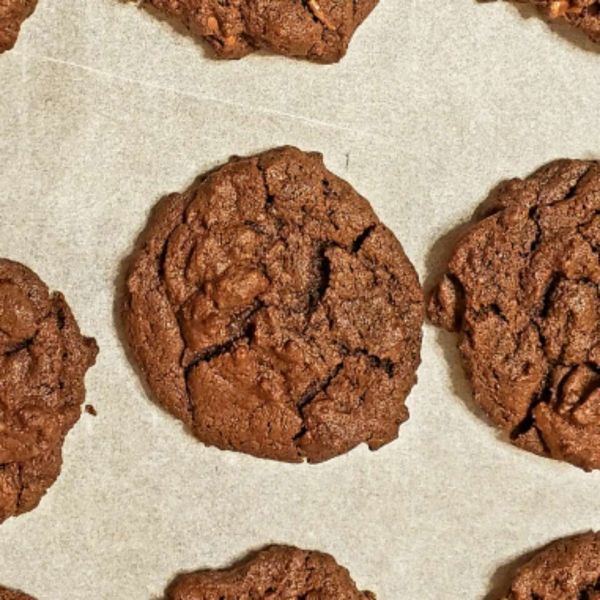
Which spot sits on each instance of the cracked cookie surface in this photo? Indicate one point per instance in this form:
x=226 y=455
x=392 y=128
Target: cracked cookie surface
x=583 y=14
x=319 y=30
x=521 y=288
x=273 y=313
x=568 y=569
x=276 y=572
x=13 y=595
x=43 y=361
x=12 y=15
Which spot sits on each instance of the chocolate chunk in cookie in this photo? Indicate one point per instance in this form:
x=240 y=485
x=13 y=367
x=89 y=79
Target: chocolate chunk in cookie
x=568 y=569
x=583 y=14
x=319 y=30
x=43 y=360
x=276 y=572
x=522 y=290
x=12 y=15
x=272 y=311
x=12 y=595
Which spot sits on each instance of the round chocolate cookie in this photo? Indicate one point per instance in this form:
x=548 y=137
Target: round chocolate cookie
x=319 y=30
x=276 y=572
x=43 y=360
x=522 y=290
x=568 y=569
x=10 y=594
x=583 y=14
x=272 y=311
x=12 y=15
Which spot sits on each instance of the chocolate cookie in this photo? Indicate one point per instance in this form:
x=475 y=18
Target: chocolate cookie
x=522 y=291
x=272 y=311
x=276 y=572
x=319 y=30
x=568 y=569
x=583 y=14
x=12 y=15
x=12 y=595
x=43 y=360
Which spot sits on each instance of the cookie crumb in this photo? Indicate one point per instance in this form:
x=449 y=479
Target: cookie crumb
x=91 y=410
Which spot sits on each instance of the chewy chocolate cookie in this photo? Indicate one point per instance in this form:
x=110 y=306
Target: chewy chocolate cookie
x=273 y=313
x=12 y=15
x=276 y=572
x=319 y=30
x=522 y=290
x=43 y=360
x=568 y=569
x=583 y=14
x=12 y=595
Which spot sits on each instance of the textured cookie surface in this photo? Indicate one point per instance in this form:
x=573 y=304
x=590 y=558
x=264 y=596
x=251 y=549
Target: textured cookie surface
x=272 y=311
x=568 y=569
x=276 y=572
x=12 y=595
x=319 y=30
x=582 y=14
x=522 y=290
x=12 y=15
x=43 y=360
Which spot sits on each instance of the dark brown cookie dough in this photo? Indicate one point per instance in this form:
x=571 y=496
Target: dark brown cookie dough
x=568 y=569
x=272 y=311
x=276 y=572
x=583 y=14
x=12 y=595
x=522 y=291
x=12 y=15
x=319 y=30
x=43 y=360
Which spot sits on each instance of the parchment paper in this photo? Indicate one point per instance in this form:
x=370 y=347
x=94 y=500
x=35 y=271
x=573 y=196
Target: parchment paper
x=103 y=109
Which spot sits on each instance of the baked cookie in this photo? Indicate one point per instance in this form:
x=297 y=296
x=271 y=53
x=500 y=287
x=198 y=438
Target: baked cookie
x=568 y=569
x=273 y=313
x=12 y=15
x=43 y=360
x=276 y=572
x=319 y=30
x=522 y=290
x=12 y=595
x=583 y=14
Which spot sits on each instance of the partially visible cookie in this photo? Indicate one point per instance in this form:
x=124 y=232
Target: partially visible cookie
x=276 y=572
x=583 y=14
x=319 y=30
x=568 y=569
x=274 y=313
x=521 y=289
x=12 y=15
x=12 y=595
x=43 y=361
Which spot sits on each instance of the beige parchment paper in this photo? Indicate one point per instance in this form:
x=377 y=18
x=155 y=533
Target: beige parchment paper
x=104 y=109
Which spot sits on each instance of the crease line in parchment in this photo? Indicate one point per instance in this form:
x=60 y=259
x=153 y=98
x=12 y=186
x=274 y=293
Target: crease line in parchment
x=151 y=86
